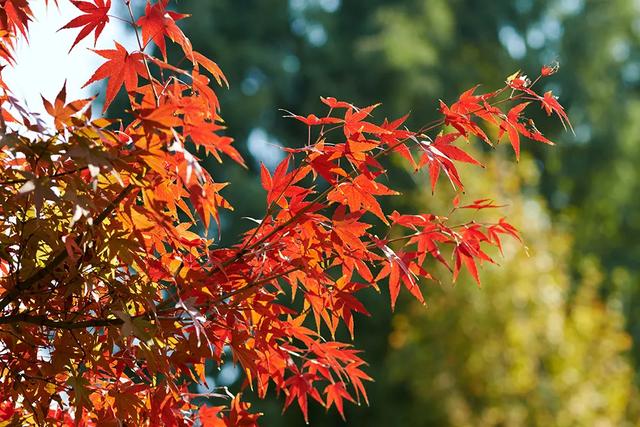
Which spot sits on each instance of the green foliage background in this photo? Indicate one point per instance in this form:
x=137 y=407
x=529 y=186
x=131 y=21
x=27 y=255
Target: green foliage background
x=550 y=339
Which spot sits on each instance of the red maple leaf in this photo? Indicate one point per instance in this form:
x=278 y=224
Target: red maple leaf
x=336 y=392
x=158 y=22
x=354 y=122
x=94 y=19
x=551 y=105
x=121 y=68
x=300 y=386
x=313 y=120
x=513 y=126
x=334 y=103
x=210 y=416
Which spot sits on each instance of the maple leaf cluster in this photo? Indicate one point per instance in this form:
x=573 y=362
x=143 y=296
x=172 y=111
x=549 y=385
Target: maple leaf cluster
x=112 y=300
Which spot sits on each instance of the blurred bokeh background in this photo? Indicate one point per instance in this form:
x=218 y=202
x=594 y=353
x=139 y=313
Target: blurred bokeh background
x=553 y=335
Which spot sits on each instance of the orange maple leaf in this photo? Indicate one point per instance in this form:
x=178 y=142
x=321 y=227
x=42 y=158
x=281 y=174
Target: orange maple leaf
x=62 y=112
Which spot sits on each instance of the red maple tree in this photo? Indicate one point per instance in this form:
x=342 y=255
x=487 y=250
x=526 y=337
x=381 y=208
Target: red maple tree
x=110 y=299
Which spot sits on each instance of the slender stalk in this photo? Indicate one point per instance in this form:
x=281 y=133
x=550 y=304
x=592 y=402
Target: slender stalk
x=141 y=46
x=58 y=324
x=55 y=175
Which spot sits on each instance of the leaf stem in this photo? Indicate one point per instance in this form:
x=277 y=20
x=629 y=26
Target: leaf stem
x=144 y=58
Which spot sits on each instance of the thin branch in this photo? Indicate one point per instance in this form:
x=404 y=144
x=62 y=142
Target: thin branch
x=41 y=320
x=55 y=175
x=144 y=58
x=59 y=324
